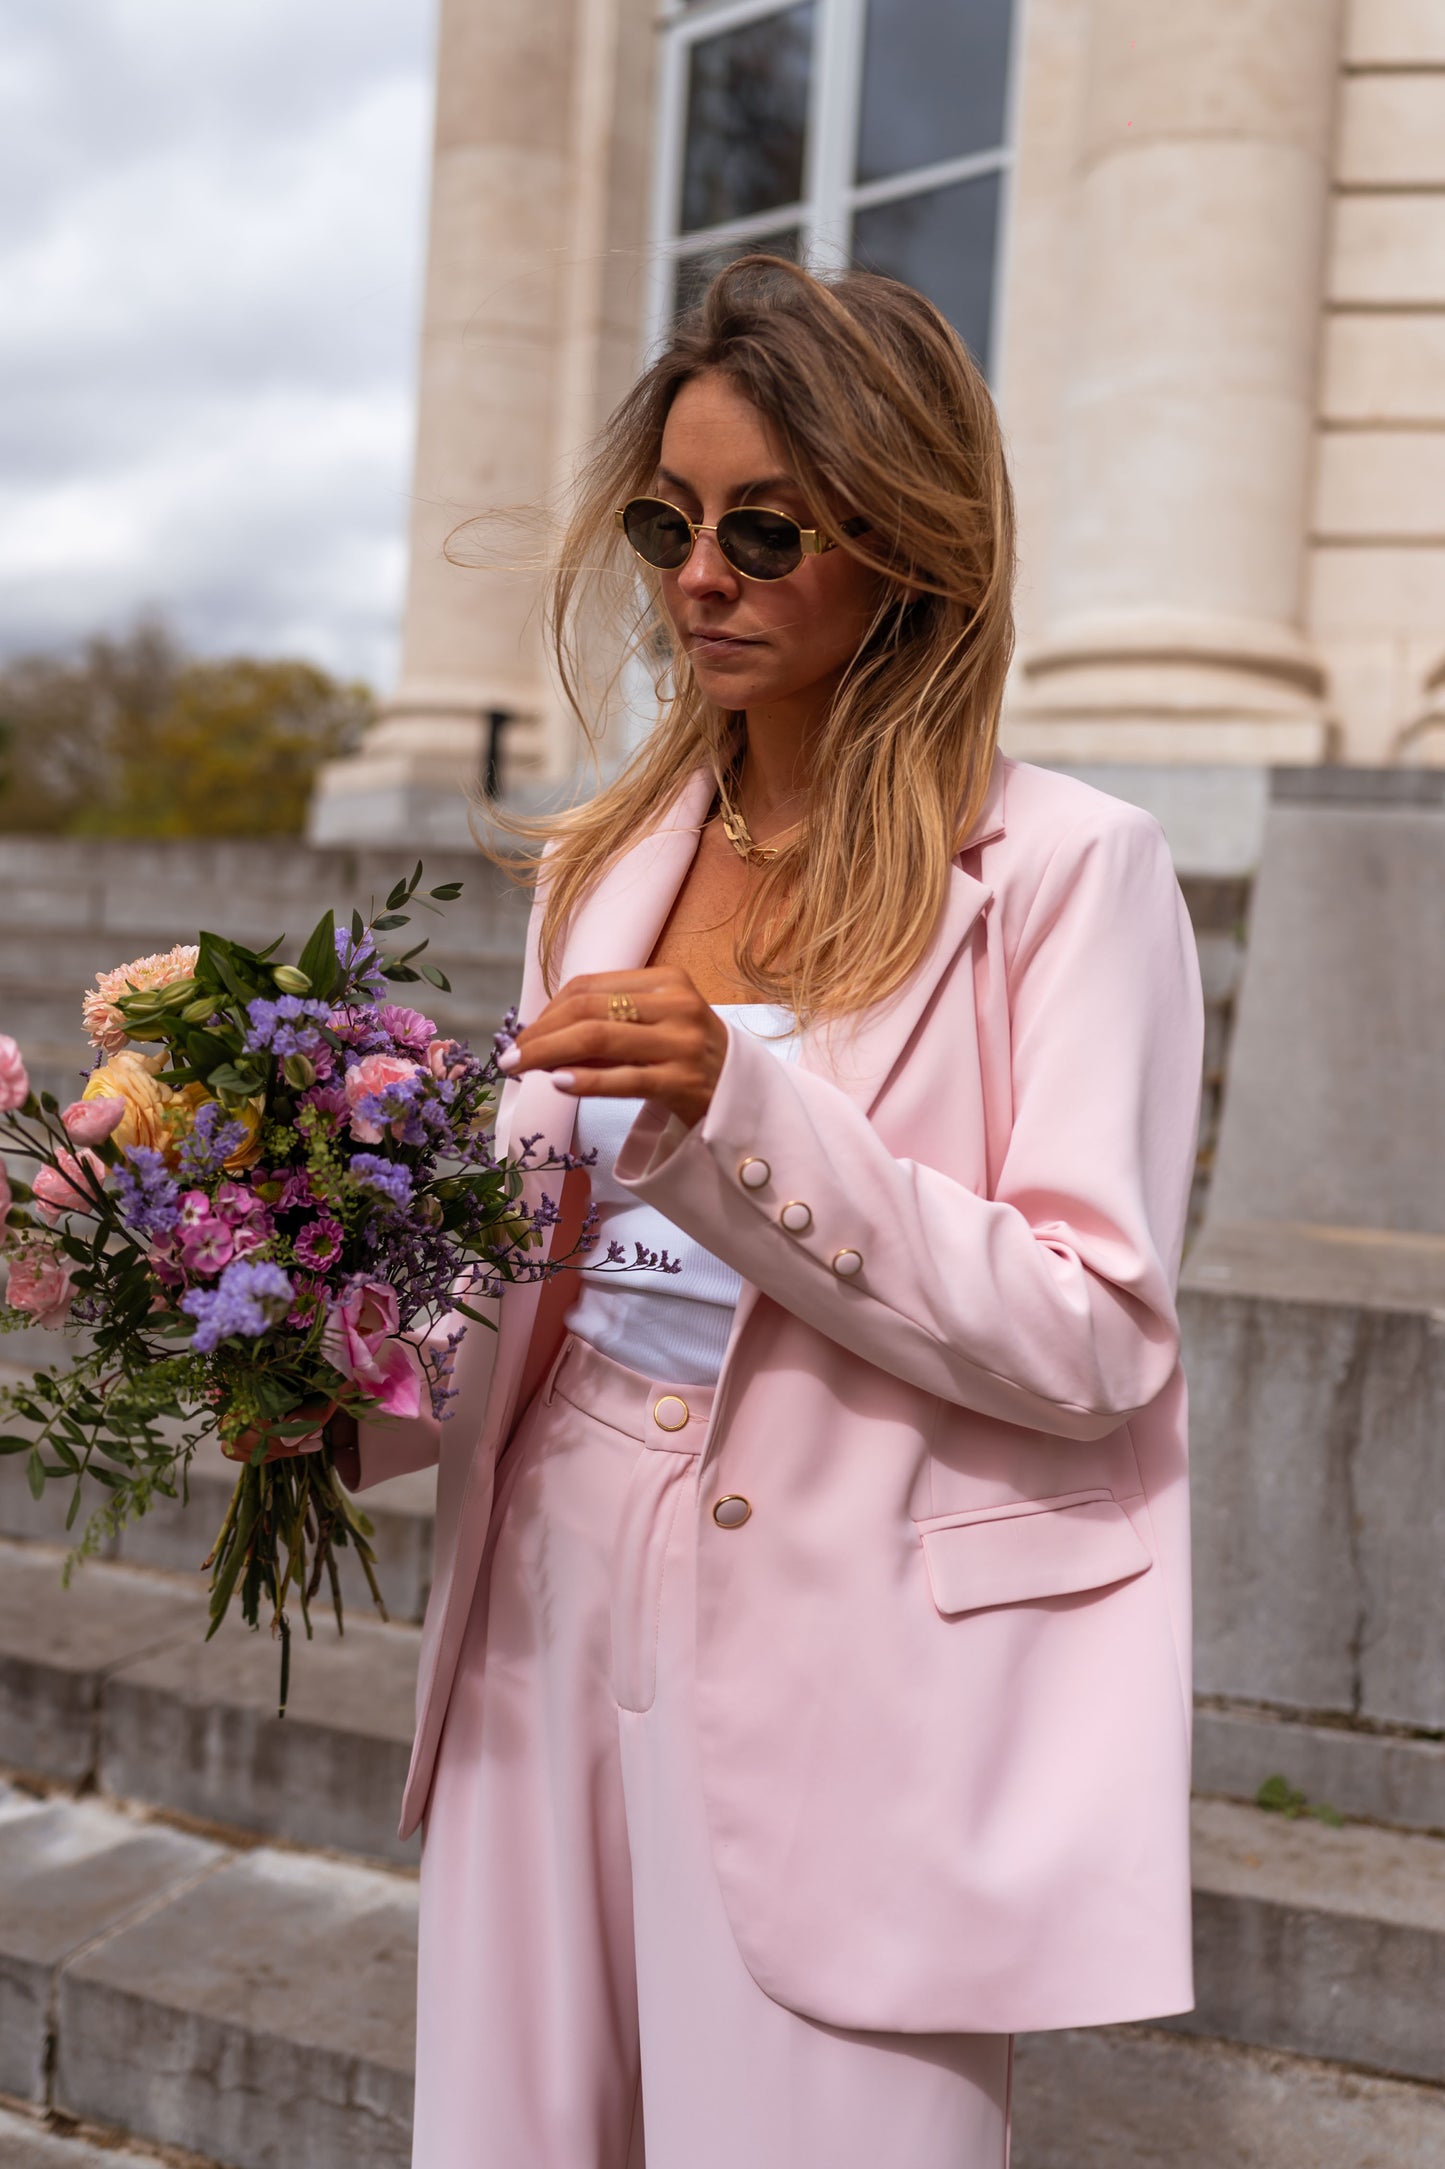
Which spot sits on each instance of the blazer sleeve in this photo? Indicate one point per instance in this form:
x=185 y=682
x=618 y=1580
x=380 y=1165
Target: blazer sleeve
x=1050 y=1303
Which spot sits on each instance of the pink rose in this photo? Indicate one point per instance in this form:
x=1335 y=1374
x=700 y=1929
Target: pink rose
x=40 y=1284
x=375 y=1073
x=63 y=1189
x=357 y=1340
x=90 y=1122
x=14 y=1084
x=444 y=1058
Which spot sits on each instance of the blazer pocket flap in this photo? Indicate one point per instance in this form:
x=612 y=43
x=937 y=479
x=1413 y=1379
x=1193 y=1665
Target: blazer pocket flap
x=1019 y=1557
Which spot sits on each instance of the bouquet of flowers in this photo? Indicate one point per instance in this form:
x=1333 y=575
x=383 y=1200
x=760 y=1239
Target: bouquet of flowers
x=268 y=1194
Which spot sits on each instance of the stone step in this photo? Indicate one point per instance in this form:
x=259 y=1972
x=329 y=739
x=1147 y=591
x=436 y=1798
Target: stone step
x=1133 y=2097
x=1365 y=1774
x=49 y=2141
x=111 y=1684
x=256 y=2008
x=1319 y=1942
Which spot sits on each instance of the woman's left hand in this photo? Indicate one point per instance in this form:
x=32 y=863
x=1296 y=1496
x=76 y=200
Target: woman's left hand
x=673 y=1052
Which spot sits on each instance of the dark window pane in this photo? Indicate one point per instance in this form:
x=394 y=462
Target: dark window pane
x=943 y=243
x=933 y=82
x=747 y=109
x=695 y=273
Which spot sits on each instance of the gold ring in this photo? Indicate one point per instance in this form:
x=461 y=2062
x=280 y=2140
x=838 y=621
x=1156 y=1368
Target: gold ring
x=623 y=1010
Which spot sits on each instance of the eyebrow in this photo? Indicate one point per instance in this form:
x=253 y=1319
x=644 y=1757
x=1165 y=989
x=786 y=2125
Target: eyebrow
x=749 y=489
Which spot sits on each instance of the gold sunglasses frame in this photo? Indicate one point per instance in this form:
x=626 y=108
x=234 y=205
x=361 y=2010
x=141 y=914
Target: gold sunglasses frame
x=812 y=540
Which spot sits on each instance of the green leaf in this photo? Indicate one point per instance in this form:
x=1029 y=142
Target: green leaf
x=318 y=958
x=50 y=1103
x=389 y=921
x=12 y=1443
x=241 y=1083
x=399 y=971
x=448 y=892
x=437 y=977
x=397 y=897
x=478 y=1317
x=358 y=927
x=35 y=1474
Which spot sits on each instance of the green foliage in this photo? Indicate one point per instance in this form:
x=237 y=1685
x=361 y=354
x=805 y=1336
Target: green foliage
x=1281 y=1798
x=134 y=738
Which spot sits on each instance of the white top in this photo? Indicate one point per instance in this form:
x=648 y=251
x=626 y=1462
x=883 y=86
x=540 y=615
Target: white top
x=672 y=1326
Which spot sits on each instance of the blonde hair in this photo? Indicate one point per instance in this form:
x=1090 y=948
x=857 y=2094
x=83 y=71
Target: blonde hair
x=879 y=407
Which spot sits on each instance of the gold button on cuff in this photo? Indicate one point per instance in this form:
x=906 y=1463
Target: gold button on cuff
x=796 y=1217
x=732 y=1512
x=753 y=1173
x=847 y=1263
x=670 y=1413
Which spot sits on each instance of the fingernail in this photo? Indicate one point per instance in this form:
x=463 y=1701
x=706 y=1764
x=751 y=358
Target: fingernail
x=565 y=1080
x=509 y=1060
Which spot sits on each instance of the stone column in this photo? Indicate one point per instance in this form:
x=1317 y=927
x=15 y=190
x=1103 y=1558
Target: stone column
x=521 y=206
x=1174 y=601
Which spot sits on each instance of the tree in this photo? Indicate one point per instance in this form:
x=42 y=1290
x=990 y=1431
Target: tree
x=135 y=738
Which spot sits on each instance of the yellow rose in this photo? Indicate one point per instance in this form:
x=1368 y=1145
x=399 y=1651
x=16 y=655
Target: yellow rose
x=127 y=1076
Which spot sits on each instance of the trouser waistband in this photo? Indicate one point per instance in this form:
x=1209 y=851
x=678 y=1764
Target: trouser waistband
x=656 y=1411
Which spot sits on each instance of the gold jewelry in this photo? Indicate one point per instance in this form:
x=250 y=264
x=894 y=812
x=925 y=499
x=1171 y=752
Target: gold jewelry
x=622 y=1009
x=737 y=832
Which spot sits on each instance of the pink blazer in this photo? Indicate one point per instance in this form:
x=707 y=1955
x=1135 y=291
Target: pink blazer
x=944 y=1667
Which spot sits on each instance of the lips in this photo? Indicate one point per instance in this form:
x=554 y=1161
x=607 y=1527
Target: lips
x=718 y=643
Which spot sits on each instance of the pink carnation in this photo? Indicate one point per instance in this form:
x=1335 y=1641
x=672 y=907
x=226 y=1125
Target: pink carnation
x=90 y=1122
x=375 y=1073
x=63 y=1189
x=358 y=1339
x=14 y=1084
x=40 y=1284
x=103 y=1021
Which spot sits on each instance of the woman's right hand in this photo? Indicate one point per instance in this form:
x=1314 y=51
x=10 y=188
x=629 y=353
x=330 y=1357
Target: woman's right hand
x=315 y=1412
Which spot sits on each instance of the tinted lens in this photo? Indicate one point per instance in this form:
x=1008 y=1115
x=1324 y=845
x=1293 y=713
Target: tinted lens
x=764 y=545
x=658 y=532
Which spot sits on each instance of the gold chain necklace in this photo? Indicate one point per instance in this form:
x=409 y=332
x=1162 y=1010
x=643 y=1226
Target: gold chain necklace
x=737 y=832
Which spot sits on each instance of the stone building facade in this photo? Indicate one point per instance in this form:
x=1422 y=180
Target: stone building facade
x=1200 y=251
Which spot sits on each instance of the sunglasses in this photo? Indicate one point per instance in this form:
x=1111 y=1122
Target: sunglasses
x=758 y=543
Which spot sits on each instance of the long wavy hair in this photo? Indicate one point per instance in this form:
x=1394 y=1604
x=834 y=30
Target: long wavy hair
x=879 y=406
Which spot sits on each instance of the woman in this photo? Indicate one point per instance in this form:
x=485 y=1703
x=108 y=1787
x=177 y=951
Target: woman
x=804 y=1696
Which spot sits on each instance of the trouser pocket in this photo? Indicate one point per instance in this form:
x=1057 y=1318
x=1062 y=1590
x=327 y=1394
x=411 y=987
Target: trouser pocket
x=657 y=1489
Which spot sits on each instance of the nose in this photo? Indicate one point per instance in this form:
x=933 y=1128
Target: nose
x=707 y=571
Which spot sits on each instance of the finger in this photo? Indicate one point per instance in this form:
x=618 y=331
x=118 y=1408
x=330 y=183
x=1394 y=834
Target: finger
x=666 y=1081
x=577 y=1003
x=596 y=1043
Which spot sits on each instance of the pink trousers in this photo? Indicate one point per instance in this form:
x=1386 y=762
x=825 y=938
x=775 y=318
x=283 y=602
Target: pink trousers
x=582 y=2003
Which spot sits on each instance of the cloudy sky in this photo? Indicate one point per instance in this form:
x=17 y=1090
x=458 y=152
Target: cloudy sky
x=212 y=227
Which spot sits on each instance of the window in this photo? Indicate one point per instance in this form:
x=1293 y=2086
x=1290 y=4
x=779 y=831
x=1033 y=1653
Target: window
x=867 y=131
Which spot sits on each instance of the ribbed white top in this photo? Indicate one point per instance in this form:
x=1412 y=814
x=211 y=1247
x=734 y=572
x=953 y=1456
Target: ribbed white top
x=669 y=1325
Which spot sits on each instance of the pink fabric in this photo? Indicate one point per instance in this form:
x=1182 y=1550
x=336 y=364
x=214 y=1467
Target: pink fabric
x=970 y=1817
x=580 y=1991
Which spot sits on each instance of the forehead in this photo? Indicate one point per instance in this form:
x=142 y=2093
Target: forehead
x=713 y=434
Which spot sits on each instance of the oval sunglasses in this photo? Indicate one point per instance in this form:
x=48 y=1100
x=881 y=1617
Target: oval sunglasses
x=757 y=542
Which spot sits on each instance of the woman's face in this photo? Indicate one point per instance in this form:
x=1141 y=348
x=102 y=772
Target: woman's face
x=775 y=646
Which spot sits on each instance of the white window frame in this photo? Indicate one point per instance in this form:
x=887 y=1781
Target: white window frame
x=825 y=212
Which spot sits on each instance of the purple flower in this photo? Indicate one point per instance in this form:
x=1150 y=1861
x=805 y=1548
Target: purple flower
x=319 y=1244
x=361 y=962
x=286 y=1026
x=146 y=1192
x=386 y=1179
x=212 y=1138
x=247 y=1299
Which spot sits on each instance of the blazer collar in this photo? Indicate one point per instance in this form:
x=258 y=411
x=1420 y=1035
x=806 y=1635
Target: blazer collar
x=616 y=929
